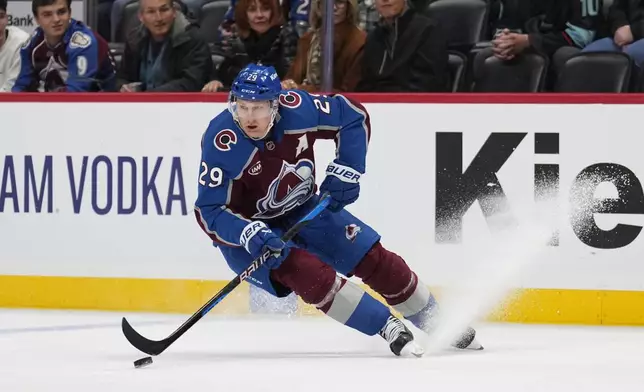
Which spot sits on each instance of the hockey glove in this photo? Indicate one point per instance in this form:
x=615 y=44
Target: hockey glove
x=257 y=238
x=341 y=183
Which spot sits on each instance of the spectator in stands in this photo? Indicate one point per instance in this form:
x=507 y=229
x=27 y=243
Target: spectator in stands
x=296 y=14
x=626 y=19
x=565 y=27
x=258 y=36
x=63 y=54
x=511 y=15
x=117 y=26
x=164 y=54
x=11 y=39
x=406 y=52
x=348 y=45
x=368 y=16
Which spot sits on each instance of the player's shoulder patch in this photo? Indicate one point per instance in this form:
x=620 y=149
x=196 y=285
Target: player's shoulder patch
x=80 y=40
x=290 y=99
x=225 y=139
x=226 y=146
x=223 y=134
x=297 y=110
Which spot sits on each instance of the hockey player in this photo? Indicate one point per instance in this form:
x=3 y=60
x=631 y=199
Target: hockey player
x=257 y=179
x=64 y=54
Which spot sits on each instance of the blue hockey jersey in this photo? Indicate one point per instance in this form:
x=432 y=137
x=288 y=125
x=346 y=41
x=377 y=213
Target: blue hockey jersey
x=241 y=179
x=80 y=62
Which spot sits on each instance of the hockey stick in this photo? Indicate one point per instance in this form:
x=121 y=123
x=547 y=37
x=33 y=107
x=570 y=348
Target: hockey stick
x=156 y=347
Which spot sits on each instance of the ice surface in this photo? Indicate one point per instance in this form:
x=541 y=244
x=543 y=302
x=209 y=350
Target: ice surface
x=85 y=351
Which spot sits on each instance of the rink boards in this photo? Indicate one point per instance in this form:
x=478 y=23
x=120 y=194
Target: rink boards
x=97 y=213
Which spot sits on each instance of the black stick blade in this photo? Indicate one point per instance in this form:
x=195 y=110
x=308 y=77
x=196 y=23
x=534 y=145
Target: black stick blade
x=150 y=347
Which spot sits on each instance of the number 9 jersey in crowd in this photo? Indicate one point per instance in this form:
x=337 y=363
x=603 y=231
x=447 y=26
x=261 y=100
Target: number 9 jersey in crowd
x=80 y=62
x=244 y=179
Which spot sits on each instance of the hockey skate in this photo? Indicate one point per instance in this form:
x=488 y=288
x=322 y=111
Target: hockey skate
x=400 y=339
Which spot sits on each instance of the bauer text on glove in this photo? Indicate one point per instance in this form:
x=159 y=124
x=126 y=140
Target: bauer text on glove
x=342 y=184
x=258 y=238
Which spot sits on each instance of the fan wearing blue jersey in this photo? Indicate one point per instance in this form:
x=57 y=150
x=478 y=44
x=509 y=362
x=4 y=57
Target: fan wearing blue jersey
x=257 y=179
x=63 y=54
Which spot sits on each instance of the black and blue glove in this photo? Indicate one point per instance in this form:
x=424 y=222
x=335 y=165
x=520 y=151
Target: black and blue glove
x=257 y=238
x=342 y=184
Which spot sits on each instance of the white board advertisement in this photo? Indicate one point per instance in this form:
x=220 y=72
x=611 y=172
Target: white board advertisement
x=110 y=192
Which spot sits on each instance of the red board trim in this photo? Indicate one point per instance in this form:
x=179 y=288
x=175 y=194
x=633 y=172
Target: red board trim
x=479 y=98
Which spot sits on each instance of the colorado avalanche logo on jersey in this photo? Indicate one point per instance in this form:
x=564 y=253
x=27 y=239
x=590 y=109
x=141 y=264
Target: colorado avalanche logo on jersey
x=352 y=231
x=224 y=139
x=53 y=76
x=291 y=100
x=291 y=188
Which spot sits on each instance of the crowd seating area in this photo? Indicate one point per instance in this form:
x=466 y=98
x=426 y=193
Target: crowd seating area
x=469 y=27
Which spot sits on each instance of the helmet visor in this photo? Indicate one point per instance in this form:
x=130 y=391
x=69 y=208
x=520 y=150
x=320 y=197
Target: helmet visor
x=251 y=110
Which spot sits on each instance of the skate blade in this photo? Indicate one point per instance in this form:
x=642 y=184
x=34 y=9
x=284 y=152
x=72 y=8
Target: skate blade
x=412 y=349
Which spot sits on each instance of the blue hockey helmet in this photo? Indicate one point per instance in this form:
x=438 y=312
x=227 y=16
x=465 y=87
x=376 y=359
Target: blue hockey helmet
x=256 y=83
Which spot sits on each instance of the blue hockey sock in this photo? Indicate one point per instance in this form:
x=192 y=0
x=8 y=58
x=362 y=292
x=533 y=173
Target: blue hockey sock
x=425 y=318
x=350 y=305
x=420 y=308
